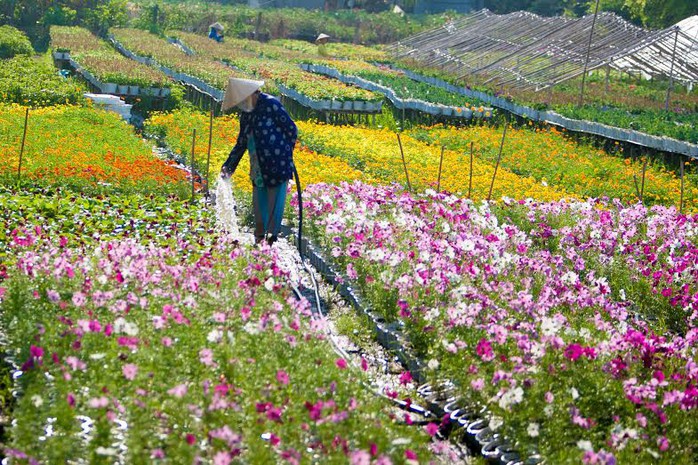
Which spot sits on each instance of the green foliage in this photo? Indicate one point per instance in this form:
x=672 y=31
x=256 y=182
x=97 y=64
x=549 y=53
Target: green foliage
x=240 y=21
x=14 y=42
x=33 y=81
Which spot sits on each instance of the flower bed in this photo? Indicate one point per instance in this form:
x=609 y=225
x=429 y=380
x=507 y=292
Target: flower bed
x=333 y=49
x=585 y=171
x=82 y=148
x=196 y=351
x=574 y=324
x=376 y=153
x=102 y=61
x=34 y=82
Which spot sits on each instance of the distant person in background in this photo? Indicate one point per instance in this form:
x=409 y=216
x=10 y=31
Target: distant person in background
x=216 y=32
x=321 y=42
x=269 y=134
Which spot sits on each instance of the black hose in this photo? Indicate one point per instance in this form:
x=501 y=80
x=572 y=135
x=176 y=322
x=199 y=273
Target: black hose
x=300 y=212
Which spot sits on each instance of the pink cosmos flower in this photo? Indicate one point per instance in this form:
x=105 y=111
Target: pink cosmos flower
x=130 y=371
x=206 y=357
x=222 y=458
x=282 y=377
x=410 y=455
x=432 y=428
x=360 y=457
x=191 y=439
x=178 y=391
x=364 y=364
x=98 y=402
x=405 y=378
x=341 y=363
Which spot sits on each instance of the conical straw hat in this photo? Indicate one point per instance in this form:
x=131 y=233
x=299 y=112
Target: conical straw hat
x=218 y=26
x=322 y=37
x=238 y=90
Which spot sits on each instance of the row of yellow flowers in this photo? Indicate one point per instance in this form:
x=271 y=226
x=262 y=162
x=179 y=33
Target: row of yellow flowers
x=376 y=152
x=81 y=147
x=332 y=154
x=551 y=157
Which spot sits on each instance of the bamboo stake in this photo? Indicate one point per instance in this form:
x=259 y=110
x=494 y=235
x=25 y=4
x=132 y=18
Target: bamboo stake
x=404 y=163
x=586 y=60
x=681 y=199
x=21 y=150
x=470 y=181
x=642 y=189
x=637 y=189
x=441 y=162
x=193 y=143
x=499 y=157
x=210 y=138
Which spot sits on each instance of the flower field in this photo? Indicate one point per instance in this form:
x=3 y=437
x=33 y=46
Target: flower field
x=92 y=320
x=573 y=323
x=136 y=329
x=82 y=148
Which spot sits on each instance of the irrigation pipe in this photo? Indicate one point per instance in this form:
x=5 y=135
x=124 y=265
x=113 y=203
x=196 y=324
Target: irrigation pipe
x=642 y=189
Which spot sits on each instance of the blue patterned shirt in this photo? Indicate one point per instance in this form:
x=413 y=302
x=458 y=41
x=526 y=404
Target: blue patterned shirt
x=274 y=134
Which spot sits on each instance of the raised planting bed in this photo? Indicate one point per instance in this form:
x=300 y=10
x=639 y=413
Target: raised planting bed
x=104 y=67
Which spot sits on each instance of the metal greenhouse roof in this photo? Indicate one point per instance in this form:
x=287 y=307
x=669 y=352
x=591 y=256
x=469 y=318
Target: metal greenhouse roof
x=528 y=51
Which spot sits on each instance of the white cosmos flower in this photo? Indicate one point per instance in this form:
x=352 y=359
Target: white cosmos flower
x=585 y=445
x=533 y=430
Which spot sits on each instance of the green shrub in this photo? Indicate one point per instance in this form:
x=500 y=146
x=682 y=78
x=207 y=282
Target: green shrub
x=14 y=42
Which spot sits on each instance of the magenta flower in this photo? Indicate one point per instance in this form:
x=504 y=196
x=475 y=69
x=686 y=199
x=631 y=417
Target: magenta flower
x=405 y=378
x=573 y=352
x=431 y=429
x=341 y=363
x=282 y=377
x=36 y=352
x=484 y=350
x=410 y=455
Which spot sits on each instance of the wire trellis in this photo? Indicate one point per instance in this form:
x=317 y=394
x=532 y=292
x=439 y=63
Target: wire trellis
x=527 y=51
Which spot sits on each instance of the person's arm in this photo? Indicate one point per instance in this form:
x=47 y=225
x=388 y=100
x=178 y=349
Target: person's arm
x=238 y=151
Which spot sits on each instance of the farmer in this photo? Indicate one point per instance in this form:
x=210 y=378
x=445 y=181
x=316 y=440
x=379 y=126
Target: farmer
x=321 y=42
x=269 y=135
x=216 y=32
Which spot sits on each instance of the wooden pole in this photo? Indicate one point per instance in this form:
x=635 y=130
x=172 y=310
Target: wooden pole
x=499 y=157
x=404 y=163
x=642 y=189
x=671 y=72
x=193 y=143
x=681 y=199
x=21 y=150
x=441 y=162
x=210 y=138
x=586 y=60
x=470 y=181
